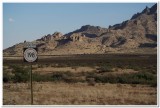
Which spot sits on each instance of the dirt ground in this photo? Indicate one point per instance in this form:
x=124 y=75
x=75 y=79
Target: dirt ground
x=49 y=93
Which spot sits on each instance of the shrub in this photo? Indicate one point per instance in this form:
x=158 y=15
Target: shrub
x=103 y=69
x=106 y=79
x=20 y=74
x=74 y=79
x=62 y=76
x=57 y=76
x=6 y=77
x=37 y=77
x=134 y=78
x=153 y=83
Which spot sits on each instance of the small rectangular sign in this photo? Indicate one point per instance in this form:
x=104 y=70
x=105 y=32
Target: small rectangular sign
x=29 y=45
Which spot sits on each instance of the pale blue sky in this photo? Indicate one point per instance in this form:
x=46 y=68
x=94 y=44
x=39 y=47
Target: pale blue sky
x=31 y=21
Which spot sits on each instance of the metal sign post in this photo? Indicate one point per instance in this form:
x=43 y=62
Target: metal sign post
x=31 y=85
x=30 y=55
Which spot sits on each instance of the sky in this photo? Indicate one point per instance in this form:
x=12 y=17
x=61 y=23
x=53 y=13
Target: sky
x=31 y=21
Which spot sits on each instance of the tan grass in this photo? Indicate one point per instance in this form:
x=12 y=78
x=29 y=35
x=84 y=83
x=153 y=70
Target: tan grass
x=122 y=71
x=48 y=93
x=64 y=69
x=50 y=69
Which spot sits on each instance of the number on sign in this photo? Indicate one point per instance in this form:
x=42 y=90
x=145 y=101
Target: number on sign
x=30 y=54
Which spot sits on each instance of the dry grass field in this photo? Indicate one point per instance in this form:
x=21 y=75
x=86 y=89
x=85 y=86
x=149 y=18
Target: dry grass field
x=49 y=93
x=82 y=80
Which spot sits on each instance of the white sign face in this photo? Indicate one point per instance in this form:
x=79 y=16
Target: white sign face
x=30 y=55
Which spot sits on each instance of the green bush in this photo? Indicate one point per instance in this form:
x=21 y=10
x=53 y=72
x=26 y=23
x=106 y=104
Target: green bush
x=57 y=76
x=20 y=74
x=62 y=76
x=74 y=79
x=134 y=78
x=6 y=77
x=153 y=83
x=41 y=78
x=103 y=69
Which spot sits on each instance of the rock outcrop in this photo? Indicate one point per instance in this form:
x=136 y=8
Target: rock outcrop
x=50 y=37
x=77 y=37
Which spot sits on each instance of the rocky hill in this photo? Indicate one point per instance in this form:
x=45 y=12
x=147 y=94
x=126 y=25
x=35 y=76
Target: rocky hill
x=137 y=35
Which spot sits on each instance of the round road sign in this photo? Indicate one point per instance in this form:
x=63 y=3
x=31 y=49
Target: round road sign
x=30 y=55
